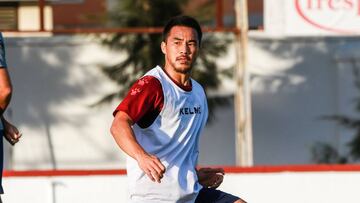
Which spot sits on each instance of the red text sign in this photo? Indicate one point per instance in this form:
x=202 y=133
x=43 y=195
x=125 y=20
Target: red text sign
x=340 y=16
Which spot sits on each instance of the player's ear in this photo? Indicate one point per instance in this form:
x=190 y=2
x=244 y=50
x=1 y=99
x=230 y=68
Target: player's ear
x=163 y=47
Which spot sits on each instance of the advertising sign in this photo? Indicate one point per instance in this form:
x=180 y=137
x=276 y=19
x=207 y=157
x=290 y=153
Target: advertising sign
x=313 y=17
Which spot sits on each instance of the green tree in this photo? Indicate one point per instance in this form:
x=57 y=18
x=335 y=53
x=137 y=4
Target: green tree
x=325 y=152
x=143 y=50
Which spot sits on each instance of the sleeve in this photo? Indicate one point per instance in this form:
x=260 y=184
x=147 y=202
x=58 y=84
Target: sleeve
x=144 y=97
x=2 y=52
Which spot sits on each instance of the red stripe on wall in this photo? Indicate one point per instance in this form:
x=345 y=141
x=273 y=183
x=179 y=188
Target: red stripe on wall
x=31 y=173
x=228 y=169
x=292 y=168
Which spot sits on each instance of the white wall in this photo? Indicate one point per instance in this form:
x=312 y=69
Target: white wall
x=294 y=82
x=279 y=187
x=55 y=82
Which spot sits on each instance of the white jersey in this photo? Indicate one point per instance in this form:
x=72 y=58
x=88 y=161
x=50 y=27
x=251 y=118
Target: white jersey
x=174 y=138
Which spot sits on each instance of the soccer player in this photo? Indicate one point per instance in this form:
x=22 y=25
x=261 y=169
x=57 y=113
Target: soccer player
x=159 y=122
x=7 y=130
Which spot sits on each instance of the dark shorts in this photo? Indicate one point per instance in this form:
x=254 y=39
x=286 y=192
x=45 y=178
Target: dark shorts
x=210 y=195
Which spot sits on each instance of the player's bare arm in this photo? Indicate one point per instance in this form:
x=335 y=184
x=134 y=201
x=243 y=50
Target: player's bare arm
x=5 y=89
x=124 y=136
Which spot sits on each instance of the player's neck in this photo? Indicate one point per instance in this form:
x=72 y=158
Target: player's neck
x=180 y=78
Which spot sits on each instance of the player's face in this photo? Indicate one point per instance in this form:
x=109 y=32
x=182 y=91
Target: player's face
x=181 y=49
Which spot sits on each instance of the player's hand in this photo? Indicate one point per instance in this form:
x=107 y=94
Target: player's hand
x=11 y=133
x=210 y=177
x=152 y=167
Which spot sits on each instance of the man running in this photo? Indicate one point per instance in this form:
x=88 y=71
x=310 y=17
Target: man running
x=159 y=122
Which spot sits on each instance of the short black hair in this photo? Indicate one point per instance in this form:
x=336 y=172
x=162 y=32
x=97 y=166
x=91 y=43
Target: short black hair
x=182 y=20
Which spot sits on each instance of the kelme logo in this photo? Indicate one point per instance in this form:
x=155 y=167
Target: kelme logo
x=340 y=16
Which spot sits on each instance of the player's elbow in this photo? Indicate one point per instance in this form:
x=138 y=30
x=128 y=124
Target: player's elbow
x=121 y=121
x=113 y=129
x=6 y=93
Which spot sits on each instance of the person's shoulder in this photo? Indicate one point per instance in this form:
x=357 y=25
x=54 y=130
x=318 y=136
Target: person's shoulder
x=2 y=53
x=196 y=85
x=155 y=72
x=1 y=39
x=148 y=85
x=197 y=88
x=148 y=80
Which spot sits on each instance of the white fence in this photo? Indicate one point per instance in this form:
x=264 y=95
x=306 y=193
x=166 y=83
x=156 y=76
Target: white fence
x=297 y=184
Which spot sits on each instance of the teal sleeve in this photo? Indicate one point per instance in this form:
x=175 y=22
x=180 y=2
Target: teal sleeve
x=2 y=52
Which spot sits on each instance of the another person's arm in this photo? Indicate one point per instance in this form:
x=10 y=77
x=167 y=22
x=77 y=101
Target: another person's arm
x=11 y=133
x=5 y=89
x=5 y=84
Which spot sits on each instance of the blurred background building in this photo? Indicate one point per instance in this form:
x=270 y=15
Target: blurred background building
x=23 y=15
